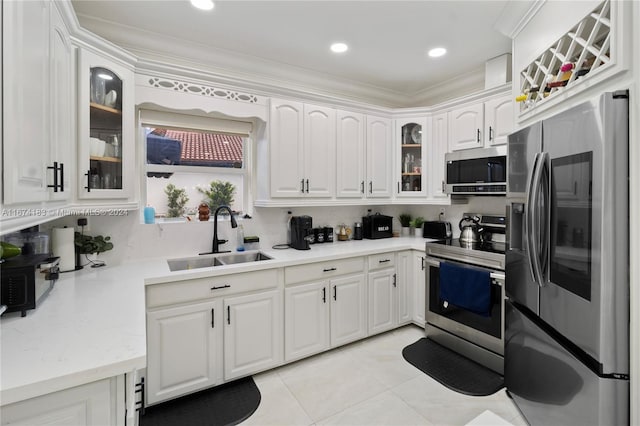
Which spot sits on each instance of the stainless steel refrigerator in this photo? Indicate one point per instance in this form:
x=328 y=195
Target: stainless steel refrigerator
x=567 y=273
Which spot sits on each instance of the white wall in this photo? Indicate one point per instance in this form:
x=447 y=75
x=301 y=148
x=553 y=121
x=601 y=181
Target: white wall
x=134 y=241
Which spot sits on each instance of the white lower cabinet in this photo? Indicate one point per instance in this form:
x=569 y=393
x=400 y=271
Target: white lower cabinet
x=348 y=309
x=382 y=300
x=306 y=313
x=206 y=331
x=404 y=286
x=252 y=333
x=97 y=403
x=324 y=314
x=184 y=350
x=419 y=290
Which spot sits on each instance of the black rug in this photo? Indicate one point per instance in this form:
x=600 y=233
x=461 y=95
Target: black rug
x=227 y=404
x=453 y=370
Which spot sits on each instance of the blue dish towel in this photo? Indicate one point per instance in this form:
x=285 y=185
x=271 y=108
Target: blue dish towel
x=467 y=288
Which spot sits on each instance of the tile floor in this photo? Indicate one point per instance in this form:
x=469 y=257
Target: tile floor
x=368 y=383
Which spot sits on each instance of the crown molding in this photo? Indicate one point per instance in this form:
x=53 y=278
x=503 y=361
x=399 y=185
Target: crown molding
x=234 y=66
x=516 y=15
x=457 y=86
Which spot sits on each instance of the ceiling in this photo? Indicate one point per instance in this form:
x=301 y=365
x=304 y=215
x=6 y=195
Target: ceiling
x=287 y=42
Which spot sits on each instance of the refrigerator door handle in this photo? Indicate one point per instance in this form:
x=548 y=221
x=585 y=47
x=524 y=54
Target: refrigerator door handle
x=532 y=228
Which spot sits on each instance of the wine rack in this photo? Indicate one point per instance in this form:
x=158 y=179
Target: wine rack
x=576 y=56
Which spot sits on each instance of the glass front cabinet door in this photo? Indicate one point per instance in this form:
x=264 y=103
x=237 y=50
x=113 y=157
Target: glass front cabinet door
x=410 y=160
x=107 y=135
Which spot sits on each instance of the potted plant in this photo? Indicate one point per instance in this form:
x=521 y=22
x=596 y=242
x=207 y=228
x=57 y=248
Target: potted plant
x=405 y=223
x=88 y=245
x=176 y=200
x=219 y=193
x=417 y=225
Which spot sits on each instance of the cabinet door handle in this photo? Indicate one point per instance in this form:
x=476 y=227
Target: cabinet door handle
x=394 y=280
x=384 y=261
x=302 y=185
x=422 y=259
x=213 y=321
x=329 y=269
x=398 y=187
x=55 y=176
x=220 y=287
x=324 y=295
x=362 y=187
x=370 y=187
x=88 y=175
x=442 y=186
x=61 y=177
x=478 y=139
x=335 y=292
x=228 y=314
x=307 y=186
x=490 y=133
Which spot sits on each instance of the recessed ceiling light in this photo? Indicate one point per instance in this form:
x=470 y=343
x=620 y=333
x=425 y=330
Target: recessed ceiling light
x=202 y=4
x=437 y=52
x=339 y=47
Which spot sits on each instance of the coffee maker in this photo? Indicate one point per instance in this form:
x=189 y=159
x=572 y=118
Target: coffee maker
x=300 y=228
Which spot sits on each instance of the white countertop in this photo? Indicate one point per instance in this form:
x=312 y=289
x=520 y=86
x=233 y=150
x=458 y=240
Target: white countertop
x=92 y=324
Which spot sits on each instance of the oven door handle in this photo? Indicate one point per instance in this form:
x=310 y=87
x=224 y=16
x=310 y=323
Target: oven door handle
x=498 y=277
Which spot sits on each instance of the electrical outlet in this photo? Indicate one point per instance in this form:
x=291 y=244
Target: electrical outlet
x=442 y=213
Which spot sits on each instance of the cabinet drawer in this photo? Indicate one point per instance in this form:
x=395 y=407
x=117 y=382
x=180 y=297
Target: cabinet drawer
x=382 y=260
x=204 y=288
x=322 y=270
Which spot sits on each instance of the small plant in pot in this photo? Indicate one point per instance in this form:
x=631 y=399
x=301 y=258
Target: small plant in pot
x=219 y=193
x=417 y=225
x=176 y=200
x=405 y=223
x=88 y=245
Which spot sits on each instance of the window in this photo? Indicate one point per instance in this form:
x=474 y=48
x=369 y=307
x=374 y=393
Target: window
x=193 y=157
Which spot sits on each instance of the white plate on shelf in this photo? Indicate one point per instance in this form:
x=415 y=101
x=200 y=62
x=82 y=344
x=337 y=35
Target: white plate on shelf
x=416 y=135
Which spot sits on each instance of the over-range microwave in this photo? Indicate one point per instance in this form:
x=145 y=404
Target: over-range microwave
x=477 y=171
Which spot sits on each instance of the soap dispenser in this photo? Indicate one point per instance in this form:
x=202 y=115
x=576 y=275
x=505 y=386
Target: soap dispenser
x=240 y=232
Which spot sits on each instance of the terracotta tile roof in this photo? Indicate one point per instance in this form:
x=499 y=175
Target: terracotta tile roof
x=206 y=148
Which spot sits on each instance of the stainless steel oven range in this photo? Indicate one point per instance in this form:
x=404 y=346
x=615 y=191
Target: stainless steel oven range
x=478 y=336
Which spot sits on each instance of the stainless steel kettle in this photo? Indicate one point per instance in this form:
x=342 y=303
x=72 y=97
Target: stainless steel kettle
x=470 y=230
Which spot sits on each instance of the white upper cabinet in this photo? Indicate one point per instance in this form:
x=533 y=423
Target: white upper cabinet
x=465 y=127
x=439 y=144
x=319 y=150
x=302 y=149
x=106 y=138
x=285 y=138
x=481 y=125
x=350 y=156
x=499 y=120
x=411 y=157
x=379 y=157
x=37 y=132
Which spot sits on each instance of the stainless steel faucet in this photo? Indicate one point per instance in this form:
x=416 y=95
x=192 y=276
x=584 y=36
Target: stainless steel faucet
x=216 y=242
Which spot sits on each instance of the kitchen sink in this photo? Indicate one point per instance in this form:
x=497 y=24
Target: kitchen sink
x=193 y=263
x=218 y=260
x=230 y=259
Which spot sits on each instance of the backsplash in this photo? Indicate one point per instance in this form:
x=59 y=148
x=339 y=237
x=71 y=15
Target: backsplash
x=135 y=241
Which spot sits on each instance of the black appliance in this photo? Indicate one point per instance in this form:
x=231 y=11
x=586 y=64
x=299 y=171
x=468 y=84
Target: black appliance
x=301 y=232
x=477 y=171
x=436 y=229
x=26 y=280
x=478 y=336
x=377 y=226
x=567 y=287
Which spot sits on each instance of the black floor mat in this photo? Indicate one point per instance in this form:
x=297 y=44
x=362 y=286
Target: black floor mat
x=227 y=404
x=453 y=370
